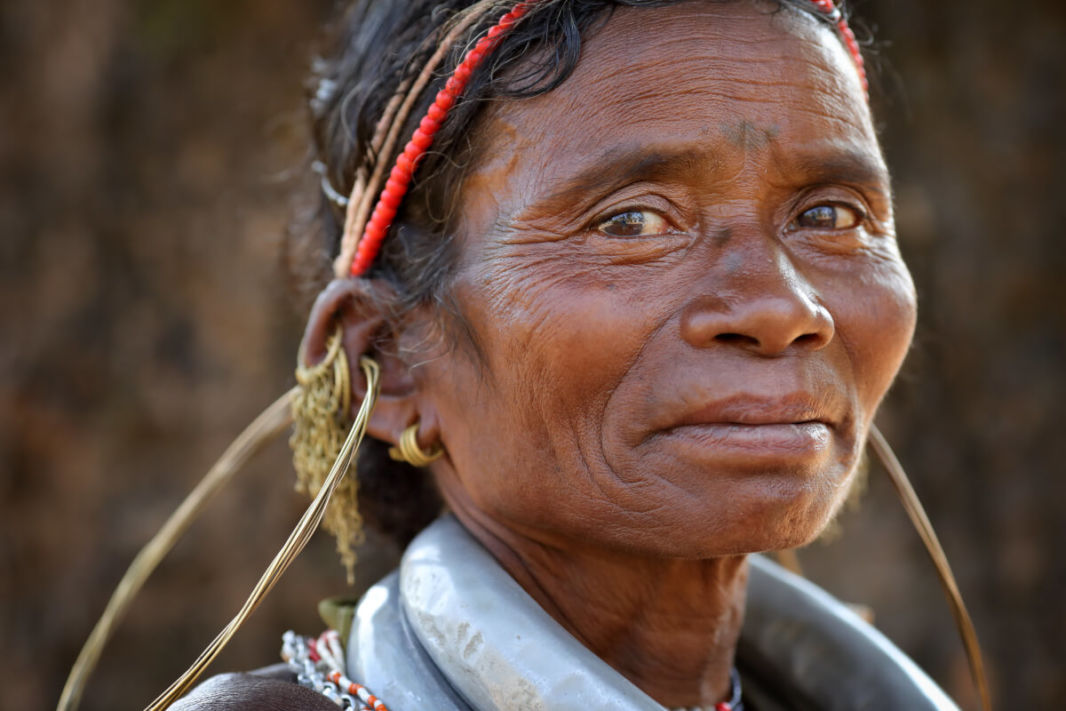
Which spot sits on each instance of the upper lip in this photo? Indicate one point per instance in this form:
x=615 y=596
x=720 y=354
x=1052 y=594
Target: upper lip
x=755 y=409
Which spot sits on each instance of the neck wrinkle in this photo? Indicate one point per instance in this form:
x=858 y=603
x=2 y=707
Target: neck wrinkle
x=669 y=626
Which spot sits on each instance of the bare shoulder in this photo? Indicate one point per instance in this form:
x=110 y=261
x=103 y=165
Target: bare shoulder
x=271 y=688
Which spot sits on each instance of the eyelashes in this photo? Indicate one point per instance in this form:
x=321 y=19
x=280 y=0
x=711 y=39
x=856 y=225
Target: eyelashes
x=634 y=223
x=829 y=217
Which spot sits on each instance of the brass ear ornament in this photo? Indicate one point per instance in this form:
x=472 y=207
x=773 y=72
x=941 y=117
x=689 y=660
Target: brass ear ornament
x=409 y=451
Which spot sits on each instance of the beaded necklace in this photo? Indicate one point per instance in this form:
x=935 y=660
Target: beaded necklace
x=319 y=665
x=735 y=703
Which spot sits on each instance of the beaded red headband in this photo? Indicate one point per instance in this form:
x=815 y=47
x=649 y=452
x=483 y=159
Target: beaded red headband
x=356 y=256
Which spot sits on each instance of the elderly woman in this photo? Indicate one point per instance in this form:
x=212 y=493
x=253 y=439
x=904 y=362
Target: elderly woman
x=634 y=295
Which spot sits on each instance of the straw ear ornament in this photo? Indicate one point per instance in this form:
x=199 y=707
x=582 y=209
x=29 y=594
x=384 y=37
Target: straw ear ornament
x=321 y=419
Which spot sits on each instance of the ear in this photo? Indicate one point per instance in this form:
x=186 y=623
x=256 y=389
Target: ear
x=355 y=306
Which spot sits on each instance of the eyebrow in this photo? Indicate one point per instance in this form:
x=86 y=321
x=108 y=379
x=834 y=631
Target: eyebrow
x=621 y=166
x=849 y=166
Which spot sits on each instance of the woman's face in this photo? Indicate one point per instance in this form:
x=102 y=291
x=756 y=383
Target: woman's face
x=680 y=274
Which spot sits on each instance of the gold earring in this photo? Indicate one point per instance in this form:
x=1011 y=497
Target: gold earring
x=320 y=413
x=409 y=451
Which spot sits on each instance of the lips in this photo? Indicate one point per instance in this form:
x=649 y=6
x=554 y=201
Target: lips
x=748 y=429
x=752 y=410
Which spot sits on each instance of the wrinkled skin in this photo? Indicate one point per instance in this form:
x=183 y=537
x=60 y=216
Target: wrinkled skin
x=681 y=279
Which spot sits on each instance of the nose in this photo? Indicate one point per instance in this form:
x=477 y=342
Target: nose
x=766 y=308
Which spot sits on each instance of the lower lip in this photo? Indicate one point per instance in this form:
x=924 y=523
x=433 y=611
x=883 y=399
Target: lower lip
x=800 y=439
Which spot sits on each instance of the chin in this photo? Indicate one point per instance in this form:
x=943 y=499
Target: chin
x=785 y=512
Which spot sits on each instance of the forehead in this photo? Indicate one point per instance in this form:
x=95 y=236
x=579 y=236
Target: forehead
x=692 y=75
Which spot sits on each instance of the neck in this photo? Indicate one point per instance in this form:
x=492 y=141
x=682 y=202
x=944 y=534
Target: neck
x=669 y=626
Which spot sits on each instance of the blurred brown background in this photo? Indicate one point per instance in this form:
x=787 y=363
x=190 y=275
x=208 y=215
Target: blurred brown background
x=148 y=149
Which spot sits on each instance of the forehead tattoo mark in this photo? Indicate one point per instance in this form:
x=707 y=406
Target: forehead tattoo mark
x=747 y=135
x=721 y=237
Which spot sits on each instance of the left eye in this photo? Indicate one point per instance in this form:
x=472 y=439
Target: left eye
x=829 y=217
x=633 y=223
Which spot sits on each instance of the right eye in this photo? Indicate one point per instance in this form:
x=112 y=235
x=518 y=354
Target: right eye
x=634 y=223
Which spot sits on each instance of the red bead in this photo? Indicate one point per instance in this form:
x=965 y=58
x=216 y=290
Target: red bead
x=412 y=156
x=429 y=125
x=421 y=140
x=373 y=234
x=485 y=44
x=436 y=113
x=399 y=173
x=392 y=199
x=378 y=221
x=444 y=99
x=413 y=153
x=386 y=214
x=462 y=73
x=723 y=706
x=453 y=86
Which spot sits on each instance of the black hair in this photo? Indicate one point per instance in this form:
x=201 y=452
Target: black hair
x=374 y=47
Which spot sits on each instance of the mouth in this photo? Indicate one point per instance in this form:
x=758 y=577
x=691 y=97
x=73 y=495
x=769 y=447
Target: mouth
x=796 y=427
x=769 y=438
x=759 y=411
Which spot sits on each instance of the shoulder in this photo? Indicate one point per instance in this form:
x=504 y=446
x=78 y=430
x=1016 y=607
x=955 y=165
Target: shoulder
x=800 y=639
x=272 y=688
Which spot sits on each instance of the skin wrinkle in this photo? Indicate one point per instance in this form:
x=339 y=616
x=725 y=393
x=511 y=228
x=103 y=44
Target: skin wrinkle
x=533 y=327
x=663 y=324
x=747 y=135
x=509 y=291
x=691 y=55
x=636 y=543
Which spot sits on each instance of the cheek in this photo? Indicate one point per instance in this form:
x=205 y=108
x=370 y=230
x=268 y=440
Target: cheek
x=554 y=349
x=560 y=341
x=876 y=321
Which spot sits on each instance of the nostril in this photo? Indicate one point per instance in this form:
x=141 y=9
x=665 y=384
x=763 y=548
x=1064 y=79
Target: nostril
x=735 y=338
x=807 y=339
